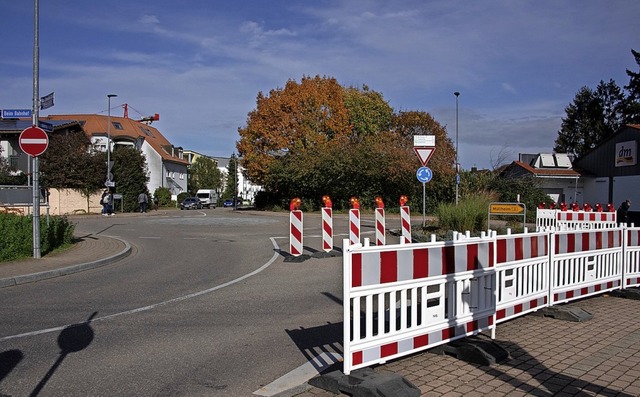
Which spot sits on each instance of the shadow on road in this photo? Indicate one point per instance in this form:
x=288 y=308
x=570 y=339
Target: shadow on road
x=72 y=339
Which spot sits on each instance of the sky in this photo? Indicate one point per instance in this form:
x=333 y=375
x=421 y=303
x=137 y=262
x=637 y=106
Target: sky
x=200 y=64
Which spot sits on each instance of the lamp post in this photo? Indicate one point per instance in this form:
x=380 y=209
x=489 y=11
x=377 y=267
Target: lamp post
x=457 y=94
x=109 y=96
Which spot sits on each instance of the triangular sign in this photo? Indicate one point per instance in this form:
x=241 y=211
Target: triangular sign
x=424 y=153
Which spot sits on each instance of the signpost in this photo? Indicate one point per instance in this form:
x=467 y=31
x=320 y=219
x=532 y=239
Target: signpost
x=424 y=146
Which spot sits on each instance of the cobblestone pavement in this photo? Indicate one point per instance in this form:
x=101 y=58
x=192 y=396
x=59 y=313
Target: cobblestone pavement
x=548 y=357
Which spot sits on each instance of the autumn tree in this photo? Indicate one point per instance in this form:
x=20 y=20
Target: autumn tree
x=204 y=174
x=300 y=117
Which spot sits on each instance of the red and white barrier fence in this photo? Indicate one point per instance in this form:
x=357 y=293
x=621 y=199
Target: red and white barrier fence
x=404 y=298
x=354 y=226
x=574 y=220
x=380 y=227
x=405 y=224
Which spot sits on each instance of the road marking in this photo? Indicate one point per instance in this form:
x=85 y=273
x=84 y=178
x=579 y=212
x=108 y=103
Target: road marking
x=275 y=256
x=300 y=375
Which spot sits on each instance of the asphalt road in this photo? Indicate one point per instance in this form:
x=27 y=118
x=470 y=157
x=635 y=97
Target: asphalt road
x=205 y=306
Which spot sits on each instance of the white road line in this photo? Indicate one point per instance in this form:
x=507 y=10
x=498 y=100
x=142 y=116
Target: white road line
x=156 y=305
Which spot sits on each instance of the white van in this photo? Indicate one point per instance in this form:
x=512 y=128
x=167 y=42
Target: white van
x=208 y=197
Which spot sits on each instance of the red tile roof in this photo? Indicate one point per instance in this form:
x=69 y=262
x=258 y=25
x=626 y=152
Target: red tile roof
x=552 y=172
x=94 y=124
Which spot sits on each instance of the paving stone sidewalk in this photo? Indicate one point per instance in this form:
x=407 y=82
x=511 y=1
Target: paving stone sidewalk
x=549 y=357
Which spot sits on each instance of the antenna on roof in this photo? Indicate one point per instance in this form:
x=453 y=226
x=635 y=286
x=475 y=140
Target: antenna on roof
x=145 y=119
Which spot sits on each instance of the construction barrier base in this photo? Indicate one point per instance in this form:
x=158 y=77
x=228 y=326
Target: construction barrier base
x=475 y=350
x=323 y=254
x=629 y=293
x=366 y=383
x=574 y=314
x=296 y=259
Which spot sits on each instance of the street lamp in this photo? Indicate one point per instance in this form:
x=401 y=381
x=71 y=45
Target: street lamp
x=457 y=94
x=109 y=96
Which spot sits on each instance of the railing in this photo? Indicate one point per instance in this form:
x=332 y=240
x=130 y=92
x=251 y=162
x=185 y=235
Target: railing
x=405 y=298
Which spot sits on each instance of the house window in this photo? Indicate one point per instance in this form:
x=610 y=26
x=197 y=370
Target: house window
x=13 y=161
x=117 y=125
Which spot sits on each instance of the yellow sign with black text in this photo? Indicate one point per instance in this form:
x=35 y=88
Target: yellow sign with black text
x=506 y=208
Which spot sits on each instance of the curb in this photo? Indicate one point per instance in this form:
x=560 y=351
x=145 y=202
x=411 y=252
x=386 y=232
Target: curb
x=30 y=278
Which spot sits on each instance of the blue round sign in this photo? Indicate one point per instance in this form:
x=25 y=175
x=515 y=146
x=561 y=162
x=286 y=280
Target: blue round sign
x=424 y=174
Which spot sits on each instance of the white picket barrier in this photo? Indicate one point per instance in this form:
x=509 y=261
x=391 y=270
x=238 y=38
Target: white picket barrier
x=574 y=220
x=522 y=266
x=632 y=257
x=584 y=263
x=404 y=298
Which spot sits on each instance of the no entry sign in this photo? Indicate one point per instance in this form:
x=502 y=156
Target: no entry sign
x=33 y=141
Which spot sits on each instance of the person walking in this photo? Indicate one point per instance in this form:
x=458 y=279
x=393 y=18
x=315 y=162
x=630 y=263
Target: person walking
x=142 y=201
x=109 y=200
x=103 y=202
x=623 y=211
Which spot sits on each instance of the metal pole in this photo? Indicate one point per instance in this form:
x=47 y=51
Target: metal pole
x=424 y=205
x=109 y=96
x=35 y=115
x=457 y=164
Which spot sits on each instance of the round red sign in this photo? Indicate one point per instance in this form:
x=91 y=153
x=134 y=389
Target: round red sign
x=34 y=141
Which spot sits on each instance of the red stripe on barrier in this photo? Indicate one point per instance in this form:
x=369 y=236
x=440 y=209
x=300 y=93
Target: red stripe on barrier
x=500 y=314
x=388 y=266
x=502 y=251
x=599 y=241
x=389 y=349
x=569 y=294
x=571 y=243
x=472 y=257
x=419 y=341
x=584 y=291
x=356 y=357
x=448 y=333
x=356 y=270
x=517 y=308
x=580 y=216
x=448 y=260
x=471 y=326
x=611 y=236
x=533 y=243
x=519 y=248
x=420 y=263
x=585 y=241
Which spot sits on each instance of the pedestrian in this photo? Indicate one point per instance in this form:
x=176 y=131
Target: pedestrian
x=156 y=202
x=103 y=202
x=142 y=201
x=623 y=211
x=109 y=200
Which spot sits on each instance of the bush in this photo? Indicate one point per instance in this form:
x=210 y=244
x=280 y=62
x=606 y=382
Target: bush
x=164 y=196
x=16 y=235
x=469 y=215
x=183 y=196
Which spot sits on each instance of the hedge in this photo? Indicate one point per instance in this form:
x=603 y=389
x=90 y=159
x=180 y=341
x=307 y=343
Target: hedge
x=16 y=235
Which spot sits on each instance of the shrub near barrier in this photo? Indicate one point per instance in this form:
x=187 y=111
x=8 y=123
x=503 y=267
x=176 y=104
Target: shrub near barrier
x=16 y=235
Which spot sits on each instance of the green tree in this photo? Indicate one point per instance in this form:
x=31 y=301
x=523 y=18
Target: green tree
x=632 y=102
x=130 y=175
x=204 y=174
x=368 y=112
x=70 y=163
x=231 y=186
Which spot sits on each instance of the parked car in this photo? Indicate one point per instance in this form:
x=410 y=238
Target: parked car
x=191 y=203
x=229 y=203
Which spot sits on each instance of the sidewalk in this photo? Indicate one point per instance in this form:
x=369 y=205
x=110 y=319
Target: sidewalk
x=89 y=252
x=548 y=357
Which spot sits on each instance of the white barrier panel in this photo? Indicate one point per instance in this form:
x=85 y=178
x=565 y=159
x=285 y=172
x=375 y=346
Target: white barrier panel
x=327 y=229
x=574 y=220
x=354 y=226
x=295 y=233
x=405 y=224
x=522 y=267
x=401 y=299
x=632 y=258
x=585 y=263
x=380 y=227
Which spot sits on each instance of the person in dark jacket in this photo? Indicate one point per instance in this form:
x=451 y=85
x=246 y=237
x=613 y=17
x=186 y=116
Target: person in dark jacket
x=623 y=212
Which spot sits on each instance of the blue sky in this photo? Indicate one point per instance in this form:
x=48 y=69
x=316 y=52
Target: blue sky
x=201 y=63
